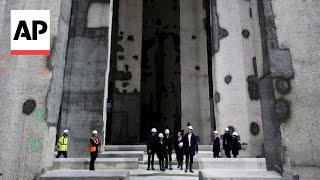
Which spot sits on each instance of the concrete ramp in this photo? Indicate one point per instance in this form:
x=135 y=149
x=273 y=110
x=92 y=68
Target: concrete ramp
x=84 y=175
x=231 y=163
x=238 y=174
x=100 y=164
x=122 y=154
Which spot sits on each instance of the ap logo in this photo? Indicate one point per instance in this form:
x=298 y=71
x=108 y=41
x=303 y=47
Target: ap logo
x=30 y=32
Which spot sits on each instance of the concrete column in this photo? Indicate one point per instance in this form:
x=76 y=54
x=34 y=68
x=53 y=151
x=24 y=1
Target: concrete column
x=125 y=73
x=84 y=80
x=28 y=102
x=235 y=74
x=194 y=69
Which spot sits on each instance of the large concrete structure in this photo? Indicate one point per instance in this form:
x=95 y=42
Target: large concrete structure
x=124 y=66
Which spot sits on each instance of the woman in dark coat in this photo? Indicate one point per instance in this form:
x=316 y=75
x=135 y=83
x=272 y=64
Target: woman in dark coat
x=178 y=147
x=235 y=145
x=169 y=142
x=216 y=145
x=161 y=151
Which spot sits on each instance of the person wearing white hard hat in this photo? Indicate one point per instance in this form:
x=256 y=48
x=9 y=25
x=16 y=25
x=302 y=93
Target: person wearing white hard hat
x=161 y=151
x=178 y=147
x=227 y=142
x=236 y=145
x=216 y=145
x=152 y=147
x=62 y=145
x=94 y=144
x=190 y=148
x=169 y=142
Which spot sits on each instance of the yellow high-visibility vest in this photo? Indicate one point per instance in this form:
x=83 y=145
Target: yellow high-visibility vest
x=62 y=144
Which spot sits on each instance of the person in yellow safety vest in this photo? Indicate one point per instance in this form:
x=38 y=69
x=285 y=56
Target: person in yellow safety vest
x=62 y=145
x=94 y=144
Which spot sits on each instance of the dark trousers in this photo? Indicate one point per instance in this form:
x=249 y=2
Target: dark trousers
x=216 y=154
x=189 y=156
x=161 y=162
x=65 y=155
x=93 y=159
x=150 y=157
x=180 y=158
x=227 y=152
x=168 y=157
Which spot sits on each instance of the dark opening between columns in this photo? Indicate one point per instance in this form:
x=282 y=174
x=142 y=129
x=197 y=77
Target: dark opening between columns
x=160 y=67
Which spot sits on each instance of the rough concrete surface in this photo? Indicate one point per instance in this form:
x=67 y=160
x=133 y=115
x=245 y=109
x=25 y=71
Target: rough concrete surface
x=28 y=140
x=298 y=29
x=235 y=76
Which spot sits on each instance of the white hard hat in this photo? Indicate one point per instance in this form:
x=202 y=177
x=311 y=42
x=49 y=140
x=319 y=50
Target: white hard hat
x=180 y=144
x=215 y=132
x=167 y=131
x=226 y=129
x=235 y=134
x=190 y=127
x=160 y=135
x=94 y=132
x=65 y=131
x=153 y=130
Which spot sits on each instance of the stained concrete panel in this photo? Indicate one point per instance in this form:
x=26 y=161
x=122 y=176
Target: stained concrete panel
x=235 y=76
x=298 y=29
x=84 y=81
x=194 y=83
x=28 y=140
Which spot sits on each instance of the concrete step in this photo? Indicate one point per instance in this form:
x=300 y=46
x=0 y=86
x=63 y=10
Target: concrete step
x=144 y=148
x=100 y=164
x=238 y=174
x=231 y=163
x=84 y=175
x=122 y=154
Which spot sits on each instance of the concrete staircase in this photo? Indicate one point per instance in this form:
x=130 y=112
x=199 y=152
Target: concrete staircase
x=130 y=162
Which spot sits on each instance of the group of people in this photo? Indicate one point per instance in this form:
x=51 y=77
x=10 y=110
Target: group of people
x=161 y=145
x=62 y=146
x=230 y=143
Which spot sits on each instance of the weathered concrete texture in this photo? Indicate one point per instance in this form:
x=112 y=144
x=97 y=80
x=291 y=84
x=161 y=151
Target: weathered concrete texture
x=298 y=28
x=125 y=70
x=28 y=140
x=84 y=81
x=98 y=15
x=238 y=103
x=85 y=175
x=194 y=83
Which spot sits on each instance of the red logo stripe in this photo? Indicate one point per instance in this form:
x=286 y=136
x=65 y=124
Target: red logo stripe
x=30 y=52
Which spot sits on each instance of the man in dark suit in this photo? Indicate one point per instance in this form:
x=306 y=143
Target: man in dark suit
x=227 y=142
x=152 y=147
x=178 y=147
x=190 y=147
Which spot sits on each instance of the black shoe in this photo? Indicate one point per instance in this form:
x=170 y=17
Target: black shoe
x=178 y=166
x=191 y=168
x=148 y=169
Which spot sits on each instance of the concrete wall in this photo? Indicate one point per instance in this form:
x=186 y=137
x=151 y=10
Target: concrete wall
x=28 y=103
x=84 y=76
x=194 y=69
x=125 y=70
x=235 y=74
x=290 y=38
